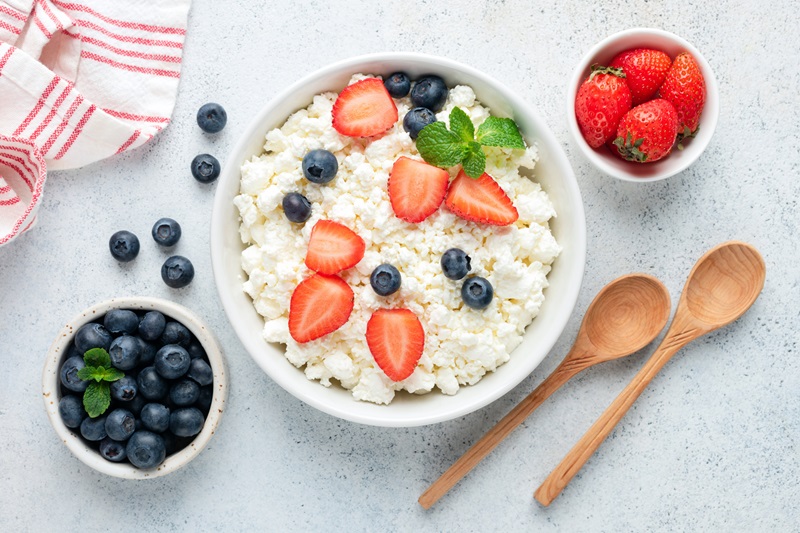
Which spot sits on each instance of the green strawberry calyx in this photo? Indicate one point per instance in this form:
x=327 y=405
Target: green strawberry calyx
x=628 y=147
x=600 y=69
x=686 y=134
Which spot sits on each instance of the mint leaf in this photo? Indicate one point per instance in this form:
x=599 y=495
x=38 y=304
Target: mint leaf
x=112 y=374
x=500 y=132
x=97 y=357
x=440 y=147
x=96 y=373
x=96 y=399
x=475 y=161
x=461 y=125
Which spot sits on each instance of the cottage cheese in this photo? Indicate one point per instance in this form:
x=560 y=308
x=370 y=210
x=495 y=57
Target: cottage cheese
x=461 y=344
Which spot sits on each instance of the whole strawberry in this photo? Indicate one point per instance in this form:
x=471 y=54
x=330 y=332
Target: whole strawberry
x=647 y=132
x=601 y=101
x=685 y=88
x=645 y=70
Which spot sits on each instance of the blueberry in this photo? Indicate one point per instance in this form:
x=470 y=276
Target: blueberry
x=147 y=352
x=120 y=424
x=416 y=119
x=196 y=350
x=455 y=263
x=205 y=168
x=166 y=232
x=397 y=84
x=124 y=246
x=124 y=352
x=385 y=279
x=170 y=442
x=124 y=389
x=155 y=417
x=184 y=392
x=146 y=449
x=92 y=335
x=320 y=166
x=204 y=400
x=112 y=450
x=177 y=271
x=70 y=407
x=186 y=422
x=429 y=91
x=172 y=361
x=121 y=321
x=477 y=292
x=151 y=326
x=135 y=406
x=151 y=385
x=296 y=207
x=211 y=118
x=176 y=333
x=69 y=374
x=94 y=429
x=201 y=372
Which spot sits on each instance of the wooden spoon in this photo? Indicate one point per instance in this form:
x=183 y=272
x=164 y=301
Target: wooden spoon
x=625 y=316
x=721 y=287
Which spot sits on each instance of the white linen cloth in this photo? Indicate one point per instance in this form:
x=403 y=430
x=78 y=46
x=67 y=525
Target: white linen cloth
x=80 y=80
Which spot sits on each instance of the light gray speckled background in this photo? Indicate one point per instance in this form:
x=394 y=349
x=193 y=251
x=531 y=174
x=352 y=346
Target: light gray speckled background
x=713 y=443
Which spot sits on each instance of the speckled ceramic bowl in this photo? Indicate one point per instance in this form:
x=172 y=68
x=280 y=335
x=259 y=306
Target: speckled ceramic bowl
x=677 y=161
x=51 y=387
x=553 y=172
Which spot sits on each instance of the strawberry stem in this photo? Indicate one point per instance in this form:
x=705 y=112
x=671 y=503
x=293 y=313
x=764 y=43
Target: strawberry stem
x=686 y=134
x=600 y=69
x=628 y=148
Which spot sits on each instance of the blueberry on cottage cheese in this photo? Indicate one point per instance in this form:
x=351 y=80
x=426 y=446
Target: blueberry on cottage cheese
x=212 y=118
x=166 y=232
x=385 y=279
x=177 y=271
x=172 y=361
x=155 y=417
x=320 y=166
x=71 y=410
x=121 y=321
x=124 y=352
x=120 y=424
x=416 y=119
x=200 y=371
x=455 y=263
x=184 y=392
x=146 y=449
x=205 y=168
x=398 y=84
x=151 y=326
x=124 y=246
x=69 y=374
x=124 y=389
x=112 y=450
x=151 y=385
x=296 y=207
x=94 y=429
x=429 y=91
x=176 y=333
x=186 y=422
x=92 y=335
x=477 y=292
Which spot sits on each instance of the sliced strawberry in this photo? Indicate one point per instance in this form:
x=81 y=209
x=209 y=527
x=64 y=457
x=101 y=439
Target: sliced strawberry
x=416 y=189
x=333 y=248
x=480 y=200
x=319 y=305
x=364 y=109
x=396 y=339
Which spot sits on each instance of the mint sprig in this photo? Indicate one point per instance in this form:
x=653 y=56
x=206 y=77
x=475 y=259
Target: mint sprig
x=445 y=148
x=99 y=371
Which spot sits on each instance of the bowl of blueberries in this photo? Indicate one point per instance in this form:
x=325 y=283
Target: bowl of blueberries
x=135 y=387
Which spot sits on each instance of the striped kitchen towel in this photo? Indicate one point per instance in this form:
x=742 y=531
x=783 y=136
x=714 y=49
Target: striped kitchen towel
x=80 y=80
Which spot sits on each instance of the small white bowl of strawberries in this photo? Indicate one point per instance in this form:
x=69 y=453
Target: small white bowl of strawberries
x=643 y=105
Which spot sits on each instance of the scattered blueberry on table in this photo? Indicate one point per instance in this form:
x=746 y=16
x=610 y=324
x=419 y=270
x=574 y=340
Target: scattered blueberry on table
x=166 y=232
x=205 y=168
x=212 y=118
x=124 y=246
x=177 y=271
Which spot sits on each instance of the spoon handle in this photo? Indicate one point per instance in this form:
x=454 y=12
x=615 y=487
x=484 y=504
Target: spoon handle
x=680 y=334
x=566 y=370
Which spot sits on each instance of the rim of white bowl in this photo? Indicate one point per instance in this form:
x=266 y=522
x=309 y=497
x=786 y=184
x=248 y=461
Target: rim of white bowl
x=51 y=387
x=708 y=120
x=231 y=170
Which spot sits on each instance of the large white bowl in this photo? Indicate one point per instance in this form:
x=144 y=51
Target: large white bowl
x=677 y=161
x=553 y=172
